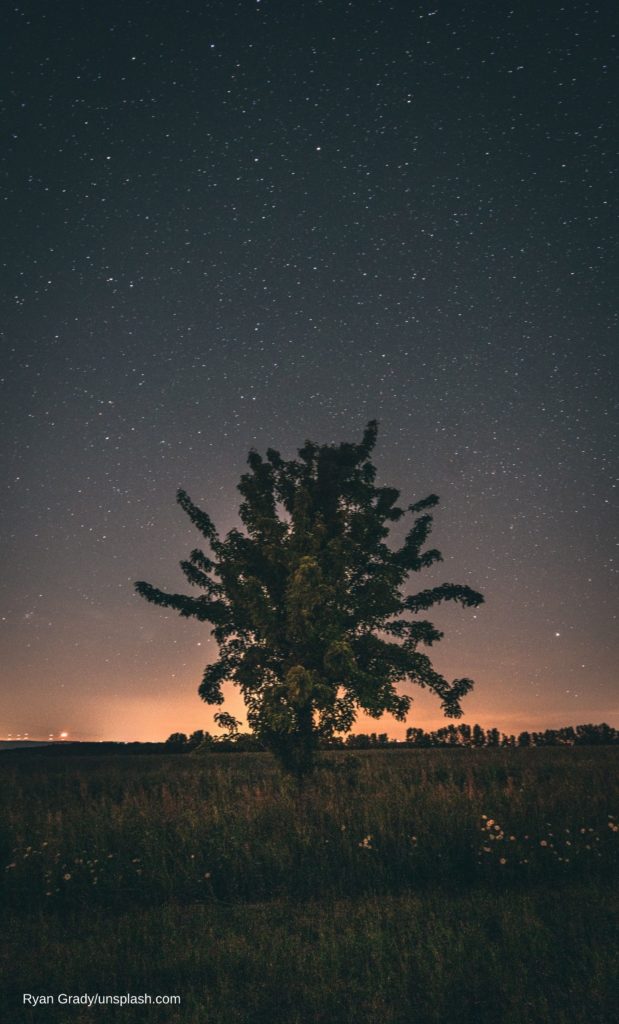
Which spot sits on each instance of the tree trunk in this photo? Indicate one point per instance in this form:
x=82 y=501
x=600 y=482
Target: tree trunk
x=295 y=750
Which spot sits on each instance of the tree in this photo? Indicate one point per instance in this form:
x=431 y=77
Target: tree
x=418 y=737
x=465 y=735
x=196 y=739
x=478 y=737
x=178 y=740
x=306 y=603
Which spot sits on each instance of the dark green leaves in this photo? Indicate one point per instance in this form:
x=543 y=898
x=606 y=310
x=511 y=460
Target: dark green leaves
x=306 y=602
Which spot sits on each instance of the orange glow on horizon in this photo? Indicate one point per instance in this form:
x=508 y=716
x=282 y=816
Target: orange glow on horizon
x=152 y=719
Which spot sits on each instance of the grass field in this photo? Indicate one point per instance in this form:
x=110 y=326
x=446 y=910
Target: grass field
x=395 y=886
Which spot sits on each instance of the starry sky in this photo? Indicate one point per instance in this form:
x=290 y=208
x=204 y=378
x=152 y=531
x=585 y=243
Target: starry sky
x=237 y=223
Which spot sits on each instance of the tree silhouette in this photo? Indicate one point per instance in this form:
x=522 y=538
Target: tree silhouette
x=306 y=605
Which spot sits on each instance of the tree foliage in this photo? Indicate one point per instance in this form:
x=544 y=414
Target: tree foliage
x=307 y=603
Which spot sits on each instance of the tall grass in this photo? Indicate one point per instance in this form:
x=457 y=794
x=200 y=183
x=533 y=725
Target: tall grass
x=232 y=828
x=410 y=887
x=476 y=957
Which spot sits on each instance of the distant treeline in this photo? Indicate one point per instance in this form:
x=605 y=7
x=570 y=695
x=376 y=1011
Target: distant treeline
x=447 y=736
x=241 y=742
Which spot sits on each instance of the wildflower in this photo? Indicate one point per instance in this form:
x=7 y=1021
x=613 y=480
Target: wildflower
x=207 y=874
x=9 y=866
x=543 y=842
x=485 y=817
x=486 y=849
x=503 y=860
x=366 y=843
x=512 y=839
x=67 y=877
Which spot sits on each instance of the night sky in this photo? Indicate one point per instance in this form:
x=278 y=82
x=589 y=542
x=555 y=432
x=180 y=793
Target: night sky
x=231 y=224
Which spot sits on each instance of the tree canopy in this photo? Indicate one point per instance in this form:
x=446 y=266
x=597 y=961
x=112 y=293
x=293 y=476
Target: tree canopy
x=307 y=603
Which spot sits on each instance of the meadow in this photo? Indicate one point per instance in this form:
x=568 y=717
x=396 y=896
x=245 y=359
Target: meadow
x=401 y=886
